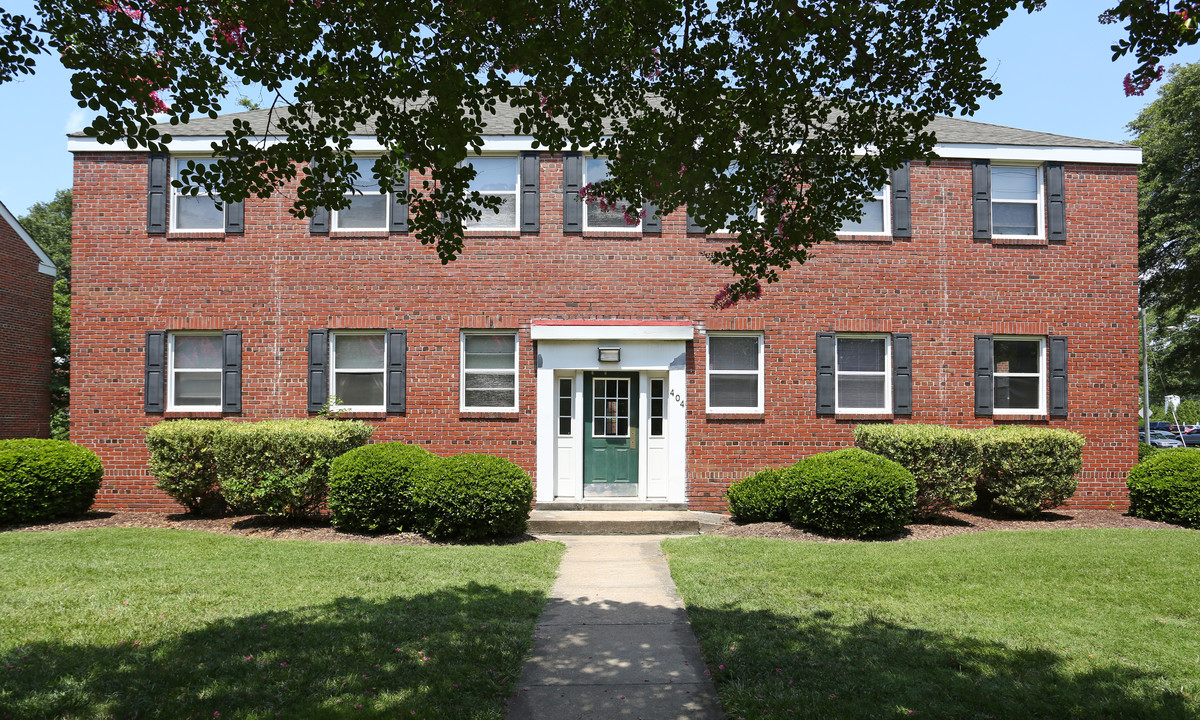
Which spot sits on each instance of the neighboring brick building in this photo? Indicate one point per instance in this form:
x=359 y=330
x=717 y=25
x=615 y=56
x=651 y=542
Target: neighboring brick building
x=26 y=296
x=996 y=285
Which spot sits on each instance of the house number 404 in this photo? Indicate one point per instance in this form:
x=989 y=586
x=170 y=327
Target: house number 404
x=677 y=398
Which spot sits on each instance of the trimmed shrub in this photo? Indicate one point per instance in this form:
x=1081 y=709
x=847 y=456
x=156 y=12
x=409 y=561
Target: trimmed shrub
x=182 y=461
x=371 y=487
x=46 y=479
x=472 y=497
x=759 y=498
x=1145 y=451
x=281 y=467
x=1027 y=469
x=1166 y=487
x=944 y=461
x=851 y=493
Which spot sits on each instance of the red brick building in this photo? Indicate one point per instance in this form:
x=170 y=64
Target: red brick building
x=997 y=284
x=26 y=295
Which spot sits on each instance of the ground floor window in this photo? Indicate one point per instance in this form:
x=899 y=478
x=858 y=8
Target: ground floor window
x=357 y=380
x=489 y=371
x=863 y=373
x=194 y=371
x=735 y=372
x=1019 y=378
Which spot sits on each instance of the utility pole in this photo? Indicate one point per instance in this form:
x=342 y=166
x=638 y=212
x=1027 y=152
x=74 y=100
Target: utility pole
x=1145 y=375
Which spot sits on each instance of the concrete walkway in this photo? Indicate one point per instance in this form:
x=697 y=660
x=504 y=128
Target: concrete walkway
x=614 y=640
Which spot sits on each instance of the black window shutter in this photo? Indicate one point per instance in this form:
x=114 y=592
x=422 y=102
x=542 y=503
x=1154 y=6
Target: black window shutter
x=158 y=191
x=572 y=183
x=902 y=201
x=1056 y=200
x=399 y=200
x=397 y=371
x=156 y=371
x=531 y=201
x=652 y=223
x=981 y=199
x=694 y=227
x=319 y=222
x=235 y=218
x=231 y=371
x=984 y=368
x=826 y=390
x=902 y=374
x=318 y=369
x=1058 y=375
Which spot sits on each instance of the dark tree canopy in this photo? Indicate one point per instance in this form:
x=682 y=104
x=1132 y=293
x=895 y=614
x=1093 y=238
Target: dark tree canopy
x=756 y=115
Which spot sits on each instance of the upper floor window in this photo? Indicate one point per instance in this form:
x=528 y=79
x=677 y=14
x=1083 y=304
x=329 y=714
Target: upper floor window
x=194 y=363
x=1019 y=376
x=863 y=374
x=596 y=218
x=194 y=212
x=496 y=177
x=1016 y=200
x=356 y=382
x=489 y=371
x=369 y=208
x=735 y=372
x=875 y=218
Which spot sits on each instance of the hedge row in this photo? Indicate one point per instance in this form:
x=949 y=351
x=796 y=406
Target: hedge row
x=1166 y=487
x=275 y=467
x=1013 y=470
x=46 y=479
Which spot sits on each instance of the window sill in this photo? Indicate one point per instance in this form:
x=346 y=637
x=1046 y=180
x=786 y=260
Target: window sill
x=1027 y=417
x=866 y=238
x=196 y=235
x=357 y=414
x=613 y=234
x=1018 y=240
x=194 y=414
x=864 y=416
x=489 y=414
x=358 y=233
x=490 y=232
x=747 y=416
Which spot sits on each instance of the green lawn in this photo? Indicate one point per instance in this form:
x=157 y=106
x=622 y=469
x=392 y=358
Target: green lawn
x=1041 y=624
x=127 y=623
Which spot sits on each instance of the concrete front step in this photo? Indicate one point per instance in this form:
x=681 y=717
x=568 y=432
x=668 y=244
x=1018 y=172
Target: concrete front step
x=620 y=522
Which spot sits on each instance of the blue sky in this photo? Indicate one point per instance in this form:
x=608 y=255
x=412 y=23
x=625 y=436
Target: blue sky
x=1055 y=67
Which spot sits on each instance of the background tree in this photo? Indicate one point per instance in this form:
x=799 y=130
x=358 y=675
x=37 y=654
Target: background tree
x=49 y=223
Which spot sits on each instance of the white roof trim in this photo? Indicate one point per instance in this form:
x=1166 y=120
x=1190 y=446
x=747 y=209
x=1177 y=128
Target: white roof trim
x=45 y=264
x=517 y=143
x=611 y=332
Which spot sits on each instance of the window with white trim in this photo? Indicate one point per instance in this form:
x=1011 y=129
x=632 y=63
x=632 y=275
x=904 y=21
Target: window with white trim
x=356 y=378
x=194 y=363
x=489 y=371
x=1019 y=375
x=496 y=177
x=194 y=212
x=735 y=372
x=876 y=215
x=1017 y=200
x=594 y=218
x=863 y=374
x=370 y=208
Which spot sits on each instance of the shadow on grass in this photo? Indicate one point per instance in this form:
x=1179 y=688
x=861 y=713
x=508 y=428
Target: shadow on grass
x=769 y=665
x=451 y=654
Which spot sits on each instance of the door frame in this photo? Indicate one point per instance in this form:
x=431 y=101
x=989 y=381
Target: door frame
x=659 y=351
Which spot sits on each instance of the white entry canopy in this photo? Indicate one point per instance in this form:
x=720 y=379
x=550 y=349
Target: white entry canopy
x=611 y=330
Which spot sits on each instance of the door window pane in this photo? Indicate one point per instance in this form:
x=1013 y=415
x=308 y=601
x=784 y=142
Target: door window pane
x=610 y=417
x=566 y=401
x=657 y=407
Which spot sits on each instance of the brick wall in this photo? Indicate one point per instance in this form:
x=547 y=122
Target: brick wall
x=25 y=298
x=277 y=281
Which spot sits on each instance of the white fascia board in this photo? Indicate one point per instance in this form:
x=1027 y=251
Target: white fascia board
x=360 y=144
x=45 y=264
x=611 y=332
x=1042 y=153
x=519 y=143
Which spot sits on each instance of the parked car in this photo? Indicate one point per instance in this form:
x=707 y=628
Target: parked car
x=1159 y=425
x=1162 y=439
x=1191 y=438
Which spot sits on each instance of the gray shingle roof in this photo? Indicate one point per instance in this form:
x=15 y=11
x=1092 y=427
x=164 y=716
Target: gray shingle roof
x=947 y=129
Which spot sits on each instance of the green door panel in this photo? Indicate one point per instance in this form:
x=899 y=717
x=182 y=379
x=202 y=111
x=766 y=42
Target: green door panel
x=610 y=431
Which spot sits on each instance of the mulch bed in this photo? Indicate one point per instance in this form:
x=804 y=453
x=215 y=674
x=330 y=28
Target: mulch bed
x=260 y=526
x=954 y=523
x=256 y=526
